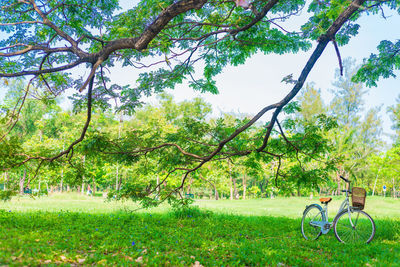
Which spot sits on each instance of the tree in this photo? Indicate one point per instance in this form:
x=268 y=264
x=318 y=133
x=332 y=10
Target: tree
x=47 y=40
x=311 y=103
x=395 y=116
x=356 y=137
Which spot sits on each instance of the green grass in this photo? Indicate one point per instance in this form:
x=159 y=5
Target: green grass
x=378 y=207
x=74 y=229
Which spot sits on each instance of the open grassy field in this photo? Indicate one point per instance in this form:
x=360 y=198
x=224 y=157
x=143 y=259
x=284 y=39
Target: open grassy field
x=79 y=230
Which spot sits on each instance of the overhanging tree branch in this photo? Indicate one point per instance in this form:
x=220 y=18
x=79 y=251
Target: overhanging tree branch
x=322 y=43
x=141 y=42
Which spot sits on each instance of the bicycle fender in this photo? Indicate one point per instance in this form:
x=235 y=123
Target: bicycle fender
x=315 y=205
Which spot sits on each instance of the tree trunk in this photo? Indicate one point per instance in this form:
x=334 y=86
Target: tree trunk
x=189 y=187
x=39 y=188
x=61 y=182
x=298 y=190
x=376 y=179
x=83 y=178
x=121 y=176
x=244 y=186
x=216 y=195
x=394 y=189
x=158 y=184
x=231 y=191
x=93 y=185
x=6 y=182
x=117 y=179
x=235 y=193
x=230 y=177
x=22 y=183
x=83 y=185
x=262 y=186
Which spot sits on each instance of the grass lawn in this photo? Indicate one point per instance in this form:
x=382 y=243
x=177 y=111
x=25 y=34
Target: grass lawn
x=73 y=229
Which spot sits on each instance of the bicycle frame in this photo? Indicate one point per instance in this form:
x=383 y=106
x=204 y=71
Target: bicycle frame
x=345 y=204
x=325 y=225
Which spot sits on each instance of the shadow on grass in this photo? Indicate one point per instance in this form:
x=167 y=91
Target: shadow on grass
x=122 y=238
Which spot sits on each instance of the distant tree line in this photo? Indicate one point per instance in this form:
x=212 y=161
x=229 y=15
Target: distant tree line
x=311 y=146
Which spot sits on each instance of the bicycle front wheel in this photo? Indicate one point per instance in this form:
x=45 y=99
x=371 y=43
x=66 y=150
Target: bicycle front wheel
x=312 y=217
x=355 y=226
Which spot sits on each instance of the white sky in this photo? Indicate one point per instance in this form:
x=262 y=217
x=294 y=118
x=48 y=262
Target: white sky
x=250 y=87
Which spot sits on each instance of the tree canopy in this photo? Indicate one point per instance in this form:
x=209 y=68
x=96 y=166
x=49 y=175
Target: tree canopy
x=60 y=45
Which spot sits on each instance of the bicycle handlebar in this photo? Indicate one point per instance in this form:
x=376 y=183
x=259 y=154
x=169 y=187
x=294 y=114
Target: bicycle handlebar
x=344 y=179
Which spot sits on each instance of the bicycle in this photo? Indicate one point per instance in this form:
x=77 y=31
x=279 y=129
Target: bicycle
x=351 y=224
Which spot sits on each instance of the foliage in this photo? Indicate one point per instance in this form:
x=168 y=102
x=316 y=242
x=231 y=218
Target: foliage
x=90 y=147
x=6 y=195
x=382 y=65
x=185 y=211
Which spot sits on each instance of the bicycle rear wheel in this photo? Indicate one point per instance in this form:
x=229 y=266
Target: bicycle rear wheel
x=359 y=227
x=312 y=215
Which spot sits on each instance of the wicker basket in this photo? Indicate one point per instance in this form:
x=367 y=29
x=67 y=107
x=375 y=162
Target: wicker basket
x=358 y=196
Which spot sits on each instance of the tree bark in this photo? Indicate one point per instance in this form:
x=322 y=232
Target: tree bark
x=159 y=187
x=6 y=181
x=373 y=190
x=231 y=180
x=394 y=189
x=231 y=189
x=22 y=182
x=93 y=185
x=262 y=186
x=117 y=178
x=298 y=190
x=235 y=192
x=338 y=184
x=121 y=176
x=189 y=187
x=61 y=182
x=83 y=178
x=244 y=186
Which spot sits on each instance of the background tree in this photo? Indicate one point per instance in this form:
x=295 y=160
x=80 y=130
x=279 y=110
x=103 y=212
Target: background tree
x=45 y=41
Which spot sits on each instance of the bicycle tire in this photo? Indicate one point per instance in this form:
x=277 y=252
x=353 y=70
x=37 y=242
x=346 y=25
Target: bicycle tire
x=362 y=232
x=308 y=231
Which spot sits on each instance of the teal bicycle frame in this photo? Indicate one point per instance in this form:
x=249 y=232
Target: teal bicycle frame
x=325 y=225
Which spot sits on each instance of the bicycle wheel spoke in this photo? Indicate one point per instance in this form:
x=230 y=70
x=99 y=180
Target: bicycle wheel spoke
x=356 y=227
x=345 y=236
x=310 y=225
x=356 y=221
x=362 y=236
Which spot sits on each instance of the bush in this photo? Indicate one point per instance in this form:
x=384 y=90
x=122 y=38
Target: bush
x=184 y=212
x=6 y=195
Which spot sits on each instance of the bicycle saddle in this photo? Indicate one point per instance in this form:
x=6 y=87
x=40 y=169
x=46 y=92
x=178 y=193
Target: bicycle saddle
x=325 y=200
